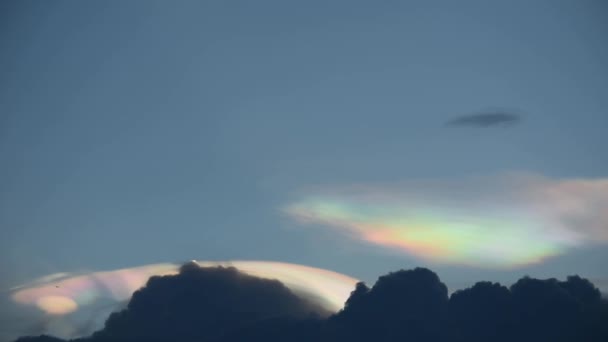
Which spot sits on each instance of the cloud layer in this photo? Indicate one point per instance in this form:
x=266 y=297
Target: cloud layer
x=505 y=221
x=224 y=305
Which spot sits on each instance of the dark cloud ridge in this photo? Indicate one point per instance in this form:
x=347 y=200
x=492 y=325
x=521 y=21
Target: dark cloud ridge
x=225 y=305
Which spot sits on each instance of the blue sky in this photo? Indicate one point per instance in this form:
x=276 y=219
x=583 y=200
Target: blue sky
x=141 y=132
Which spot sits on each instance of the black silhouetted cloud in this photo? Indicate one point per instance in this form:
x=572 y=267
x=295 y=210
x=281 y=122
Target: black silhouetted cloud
x=224 y=305
x=486 y=119
x=202 y=304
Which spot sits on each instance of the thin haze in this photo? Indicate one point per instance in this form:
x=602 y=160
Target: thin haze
x=142 y=132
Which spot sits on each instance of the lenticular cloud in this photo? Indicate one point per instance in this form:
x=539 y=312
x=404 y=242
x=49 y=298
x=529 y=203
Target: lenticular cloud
x=72 y=305
x=68 y=293
x=496 y=222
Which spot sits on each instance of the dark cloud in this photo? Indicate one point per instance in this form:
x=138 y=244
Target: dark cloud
x=224 y=305
x=402 y=306
x=40 y=339
x=486 y=119
x=202 y=304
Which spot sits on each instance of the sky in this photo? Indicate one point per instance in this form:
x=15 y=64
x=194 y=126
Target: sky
x=351 y=136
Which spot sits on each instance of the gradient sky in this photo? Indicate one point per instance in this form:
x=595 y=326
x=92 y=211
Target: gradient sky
x=143 y=132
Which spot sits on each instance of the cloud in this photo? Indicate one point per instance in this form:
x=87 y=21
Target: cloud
x=72 y=305
x=486 y=119
x=602 y=284
x=224 y=305
x=493 y=222
x=203 y=304
x=531 y=310
x=70 y=292
x=43 y=338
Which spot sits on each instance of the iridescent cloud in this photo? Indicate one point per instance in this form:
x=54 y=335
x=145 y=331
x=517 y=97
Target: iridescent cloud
x=63 y=294
x=503 y=221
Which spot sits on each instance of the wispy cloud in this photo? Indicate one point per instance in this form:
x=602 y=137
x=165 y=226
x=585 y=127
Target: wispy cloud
x=486 y=119
x=504 y=221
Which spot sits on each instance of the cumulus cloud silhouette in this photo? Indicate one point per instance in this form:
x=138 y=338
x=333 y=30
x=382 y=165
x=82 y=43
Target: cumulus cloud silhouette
x=224 y=305
x=202 y=304
x=485 y=119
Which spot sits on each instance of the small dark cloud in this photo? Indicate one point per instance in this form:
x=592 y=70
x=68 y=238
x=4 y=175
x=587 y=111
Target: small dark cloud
x=486 y=119
x=224 y=305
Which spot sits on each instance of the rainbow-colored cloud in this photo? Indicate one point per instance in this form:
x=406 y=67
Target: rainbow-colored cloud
x=492 y=222
x=75 y=305
x=64 y=293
